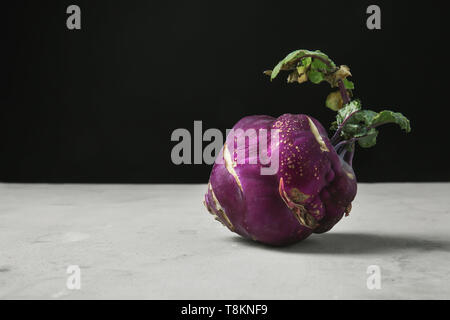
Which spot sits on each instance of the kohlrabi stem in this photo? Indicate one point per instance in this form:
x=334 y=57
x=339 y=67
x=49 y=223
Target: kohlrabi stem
x=336 y=135
x=349 y=156
x=344 y=92
x=346 y=154
x=340 y=144
x=350 y=141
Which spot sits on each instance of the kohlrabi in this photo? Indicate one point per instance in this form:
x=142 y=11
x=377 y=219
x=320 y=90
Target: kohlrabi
x=315 y=184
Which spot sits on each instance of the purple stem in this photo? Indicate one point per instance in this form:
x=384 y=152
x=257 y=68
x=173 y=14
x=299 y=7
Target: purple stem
x=344 y=92
x=338 y=131
x=340 y=144
x=349 y=156
x=345 y=154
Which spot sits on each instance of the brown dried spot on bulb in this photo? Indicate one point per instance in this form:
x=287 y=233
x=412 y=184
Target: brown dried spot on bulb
x=220 y=210
x=300 y=213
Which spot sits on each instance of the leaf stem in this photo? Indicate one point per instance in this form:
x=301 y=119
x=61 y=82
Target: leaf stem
x=340 y=144
x=344 y=92
x=349 y=156
x=345 y=153
x=352 y=140
x=336 y=135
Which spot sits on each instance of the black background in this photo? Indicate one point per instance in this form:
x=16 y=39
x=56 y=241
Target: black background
x=99 y=104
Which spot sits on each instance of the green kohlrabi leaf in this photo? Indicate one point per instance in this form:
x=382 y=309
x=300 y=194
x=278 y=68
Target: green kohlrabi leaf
x=315 y=76
x=318 y=65
x=363 y=117
x=353 y=124
x=387 y=116
x=306 y=62
x=362 y=122
x=347 y=110
x=292 y=59
x=276 y=70
x=348 y=84
x=369 y=140
x=284 y=64
x=352 y=130
x=359 y=125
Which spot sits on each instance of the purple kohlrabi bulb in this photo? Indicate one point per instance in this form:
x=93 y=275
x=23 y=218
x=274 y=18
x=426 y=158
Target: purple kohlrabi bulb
x=310 y=192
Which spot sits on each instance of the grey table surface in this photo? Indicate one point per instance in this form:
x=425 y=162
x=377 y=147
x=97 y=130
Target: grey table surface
x=159 y=242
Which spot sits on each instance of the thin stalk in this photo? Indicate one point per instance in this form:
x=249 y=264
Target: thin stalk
x=335 y=137
x=349 y=156
x=338 y=131
x=340 y=144
x=344 y=92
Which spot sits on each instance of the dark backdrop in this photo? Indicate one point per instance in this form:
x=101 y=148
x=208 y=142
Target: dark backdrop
x=100 y=104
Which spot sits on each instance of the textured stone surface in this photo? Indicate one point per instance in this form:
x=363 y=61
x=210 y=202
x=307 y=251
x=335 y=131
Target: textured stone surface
x=159 y=242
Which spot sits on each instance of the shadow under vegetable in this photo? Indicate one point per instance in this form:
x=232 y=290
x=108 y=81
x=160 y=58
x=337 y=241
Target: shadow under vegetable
x=353 y=243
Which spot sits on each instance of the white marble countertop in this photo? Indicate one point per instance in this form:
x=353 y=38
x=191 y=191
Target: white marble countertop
x=159 y=242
